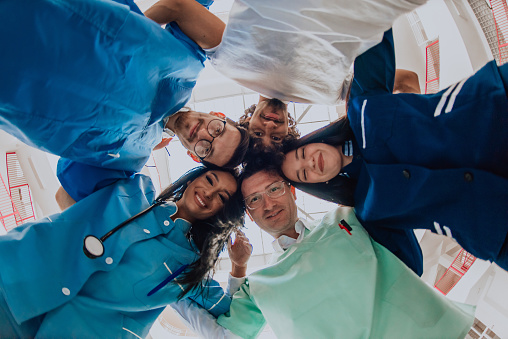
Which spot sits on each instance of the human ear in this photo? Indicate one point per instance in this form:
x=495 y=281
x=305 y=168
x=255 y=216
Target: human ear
x=219 y=115
x=293 y=191
x=250 y=216
x=193 y=156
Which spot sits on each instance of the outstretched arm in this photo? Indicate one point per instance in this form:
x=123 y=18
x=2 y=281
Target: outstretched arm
x=199 y=24
x=63 y=199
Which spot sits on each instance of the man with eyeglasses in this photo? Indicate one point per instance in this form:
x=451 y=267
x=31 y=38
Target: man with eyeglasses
x=210 y=139
x=103 y=81
x=328 y=279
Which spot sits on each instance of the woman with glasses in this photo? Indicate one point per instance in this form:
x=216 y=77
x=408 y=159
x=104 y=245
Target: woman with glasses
x=107 y=266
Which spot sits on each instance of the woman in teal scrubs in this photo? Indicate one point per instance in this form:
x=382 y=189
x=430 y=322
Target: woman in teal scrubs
x=56 y=284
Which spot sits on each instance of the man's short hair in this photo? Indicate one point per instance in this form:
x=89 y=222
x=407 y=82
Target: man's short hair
x=261 y=160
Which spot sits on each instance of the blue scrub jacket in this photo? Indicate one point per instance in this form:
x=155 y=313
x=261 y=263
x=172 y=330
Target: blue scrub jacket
x=92 y=80
x=437 y=161
x=45 y=273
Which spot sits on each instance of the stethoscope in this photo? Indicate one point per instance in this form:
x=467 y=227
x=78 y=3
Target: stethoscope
x=94 y=247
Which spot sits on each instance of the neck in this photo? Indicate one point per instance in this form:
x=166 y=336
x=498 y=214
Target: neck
x=346 y=159
x=182 y=213
x=292 y=233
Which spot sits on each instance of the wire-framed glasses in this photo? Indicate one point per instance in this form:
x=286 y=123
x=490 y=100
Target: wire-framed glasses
x=275 y=190
x=203 y=147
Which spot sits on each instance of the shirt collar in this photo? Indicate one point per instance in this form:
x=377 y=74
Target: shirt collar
x=182 y=220
x=283 y=242
x=165 y=129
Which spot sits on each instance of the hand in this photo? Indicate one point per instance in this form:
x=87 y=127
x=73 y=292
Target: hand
x=239 y=251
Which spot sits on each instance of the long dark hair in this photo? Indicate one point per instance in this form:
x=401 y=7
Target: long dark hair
x=209 y=235
x=340 y=189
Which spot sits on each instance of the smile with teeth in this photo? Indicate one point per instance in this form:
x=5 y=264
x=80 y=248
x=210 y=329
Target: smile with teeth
x=272 y=117
x=200 y=201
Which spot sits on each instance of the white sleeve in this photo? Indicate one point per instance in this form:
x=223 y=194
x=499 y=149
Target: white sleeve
x=234 y=284
x=200 y=321
x=316 y=42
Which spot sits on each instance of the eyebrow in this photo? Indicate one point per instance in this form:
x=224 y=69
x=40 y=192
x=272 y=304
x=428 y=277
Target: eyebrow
x=298 y=176
x=216 y=177
x=297 y=173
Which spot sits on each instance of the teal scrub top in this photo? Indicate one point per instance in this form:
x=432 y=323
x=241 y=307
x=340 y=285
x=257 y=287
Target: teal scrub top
x=92 y=80
x=45 y=273
x=339 y=285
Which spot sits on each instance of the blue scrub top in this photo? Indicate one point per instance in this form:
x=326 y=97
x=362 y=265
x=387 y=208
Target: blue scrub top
x=438 y=161
x=92 y=80
x=45 y=273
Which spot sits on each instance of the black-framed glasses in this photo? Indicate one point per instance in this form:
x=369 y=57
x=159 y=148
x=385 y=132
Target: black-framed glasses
x=203 y=147
x=275 y=190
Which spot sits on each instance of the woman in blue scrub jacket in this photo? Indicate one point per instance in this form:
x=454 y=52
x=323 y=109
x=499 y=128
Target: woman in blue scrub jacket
x=58 y=280
x=408 y=161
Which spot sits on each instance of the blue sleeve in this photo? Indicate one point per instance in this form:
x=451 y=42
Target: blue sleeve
x=80 y=180
x=374 y=70
x=212 y=298
x=173 y=28
x=132 y=6
x=401 y=242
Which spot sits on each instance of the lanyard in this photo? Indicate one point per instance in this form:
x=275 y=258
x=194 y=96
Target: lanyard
x=167 y=280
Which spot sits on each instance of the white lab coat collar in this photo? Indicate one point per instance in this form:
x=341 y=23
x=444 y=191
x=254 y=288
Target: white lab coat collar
x=283 y=242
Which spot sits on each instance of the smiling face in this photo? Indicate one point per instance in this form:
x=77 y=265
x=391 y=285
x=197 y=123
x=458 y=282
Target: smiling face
x=206 y=195
x=313 y=163
x=269 y=123
x=191 y=127
x=276 y=216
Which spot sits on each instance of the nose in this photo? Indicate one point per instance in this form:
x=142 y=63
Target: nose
x=268 y=203
x=310 y=163
x=207 y=194
x=202 y=133
x=270 y=124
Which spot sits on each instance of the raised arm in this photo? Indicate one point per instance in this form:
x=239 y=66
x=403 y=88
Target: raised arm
x=239 y=253
x=199 y=24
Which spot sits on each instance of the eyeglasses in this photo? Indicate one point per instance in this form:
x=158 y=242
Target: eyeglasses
x=203 y=147
x=275 y=190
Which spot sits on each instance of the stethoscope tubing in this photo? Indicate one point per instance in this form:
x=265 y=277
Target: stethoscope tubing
x=100 y=242
x=107 y=235
x=97 y=253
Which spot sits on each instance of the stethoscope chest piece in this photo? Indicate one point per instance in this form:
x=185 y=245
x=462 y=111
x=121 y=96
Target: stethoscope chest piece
x=93 y=247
